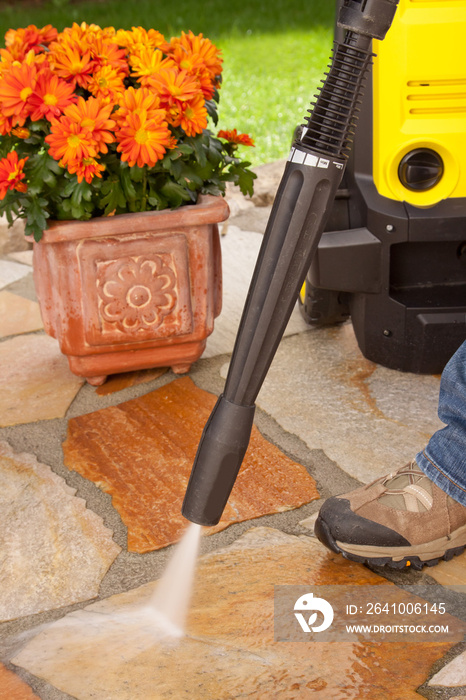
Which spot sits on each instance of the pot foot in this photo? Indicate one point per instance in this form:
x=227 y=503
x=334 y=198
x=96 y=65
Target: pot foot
x=181 y=368
x=96 y=381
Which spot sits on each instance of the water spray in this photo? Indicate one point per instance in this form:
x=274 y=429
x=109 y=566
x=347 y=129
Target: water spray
x=303 y=203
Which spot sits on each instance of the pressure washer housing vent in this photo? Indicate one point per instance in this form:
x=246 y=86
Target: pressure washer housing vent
x=394 y=253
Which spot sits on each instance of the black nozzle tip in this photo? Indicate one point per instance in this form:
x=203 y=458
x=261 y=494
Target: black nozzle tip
x=219 y=457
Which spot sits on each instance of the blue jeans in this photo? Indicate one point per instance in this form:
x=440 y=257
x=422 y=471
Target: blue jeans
x=444 y=458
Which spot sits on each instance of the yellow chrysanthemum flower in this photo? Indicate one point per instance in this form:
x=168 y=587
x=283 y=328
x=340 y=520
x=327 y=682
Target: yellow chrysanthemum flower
x=146 y=62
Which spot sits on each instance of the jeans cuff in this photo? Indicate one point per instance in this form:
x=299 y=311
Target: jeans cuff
x=439 y=478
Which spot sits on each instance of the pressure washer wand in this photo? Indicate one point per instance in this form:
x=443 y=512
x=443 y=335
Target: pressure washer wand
x=302 y=205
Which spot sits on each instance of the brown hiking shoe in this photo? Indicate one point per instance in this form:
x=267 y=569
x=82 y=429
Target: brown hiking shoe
x=399 y=520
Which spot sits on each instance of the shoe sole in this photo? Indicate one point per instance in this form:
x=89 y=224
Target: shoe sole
x=414 y=556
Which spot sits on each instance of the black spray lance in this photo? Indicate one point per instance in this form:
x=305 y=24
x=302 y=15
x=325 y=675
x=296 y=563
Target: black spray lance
x=303 y=202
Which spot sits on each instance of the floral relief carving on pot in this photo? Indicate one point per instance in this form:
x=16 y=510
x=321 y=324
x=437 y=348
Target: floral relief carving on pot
x=136 y=293
x=137 y=296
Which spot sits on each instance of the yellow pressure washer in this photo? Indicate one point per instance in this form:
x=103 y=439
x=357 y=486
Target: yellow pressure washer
x=393 y=256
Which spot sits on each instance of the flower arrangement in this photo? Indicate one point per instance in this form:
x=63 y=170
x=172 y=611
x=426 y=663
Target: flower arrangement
x=95 y=122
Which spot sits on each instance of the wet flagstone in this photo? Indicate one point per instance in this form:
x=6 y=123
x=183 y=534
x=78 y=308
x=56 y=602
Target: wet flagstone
x=53 y=550
x=141 y=452
x=368 y=419
x=110 y=650
x=12 y=687
x=36 y=381
x=18 y=315
x=453 y=675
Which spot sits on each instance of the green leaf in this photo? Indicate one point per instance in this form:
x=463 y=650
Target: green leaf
x=40 y=125
x=157 y=200
x=215 y=154
x=183 y=148
x=41 y=168
x=37 y=215
x=214 y=189
x=197 y=144
x=205 y=172
x=246 y=179
x=211 y=108
x=128 y=187
x=175 y=194
x=114 y=197
x=77 y=212
x=136 y=173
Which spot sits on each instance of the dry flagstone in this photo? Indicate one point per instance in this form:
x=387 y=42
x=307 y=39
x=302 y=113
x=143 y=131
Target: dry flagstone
x=112 y=649
x=142 y=451
x=54 y=551
x=11 y=271
x=453 y=675
x=451 y=574
x=239 y=254
x=18 y=315
x=37 y=383
x=366 y=418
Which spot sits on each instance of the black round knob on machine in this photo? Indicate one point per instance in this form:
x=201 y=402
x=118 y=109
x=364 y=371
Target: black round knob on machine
x=421 y=169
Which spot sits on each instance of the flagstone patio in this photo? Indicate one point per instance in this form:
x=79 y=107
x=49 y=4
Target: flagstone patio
x=91 y=482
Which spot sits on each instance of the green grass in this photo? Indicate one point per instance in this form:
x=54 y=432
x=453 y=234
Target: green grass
x=273 y=58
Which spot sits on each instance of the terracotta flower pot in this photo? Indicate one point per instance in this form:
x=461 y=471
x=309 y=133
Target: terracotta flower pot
x=132 y=291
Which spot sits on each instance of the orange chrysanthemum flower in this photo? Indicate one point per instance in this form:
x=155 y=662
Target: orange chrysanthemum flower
x=140 y=101
x=143 y=141
x=94 y=118
x=70 y=62
x=11 y=174
x=106 y=52
x=139 y=38
x=5 y=125
x=173 y=85
x=20 y=41
x=86 y=169
x=21 y=133
x=6 y=60
x=146 y=62
x=16 y=88
x=194 y=116
x=174 y=114
x=69 y=141
x=31 y=37
x=202 y=47
x=233 y=137
x=50 y=96
x=84 y=33
x=193 y=64
x=106 y=84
